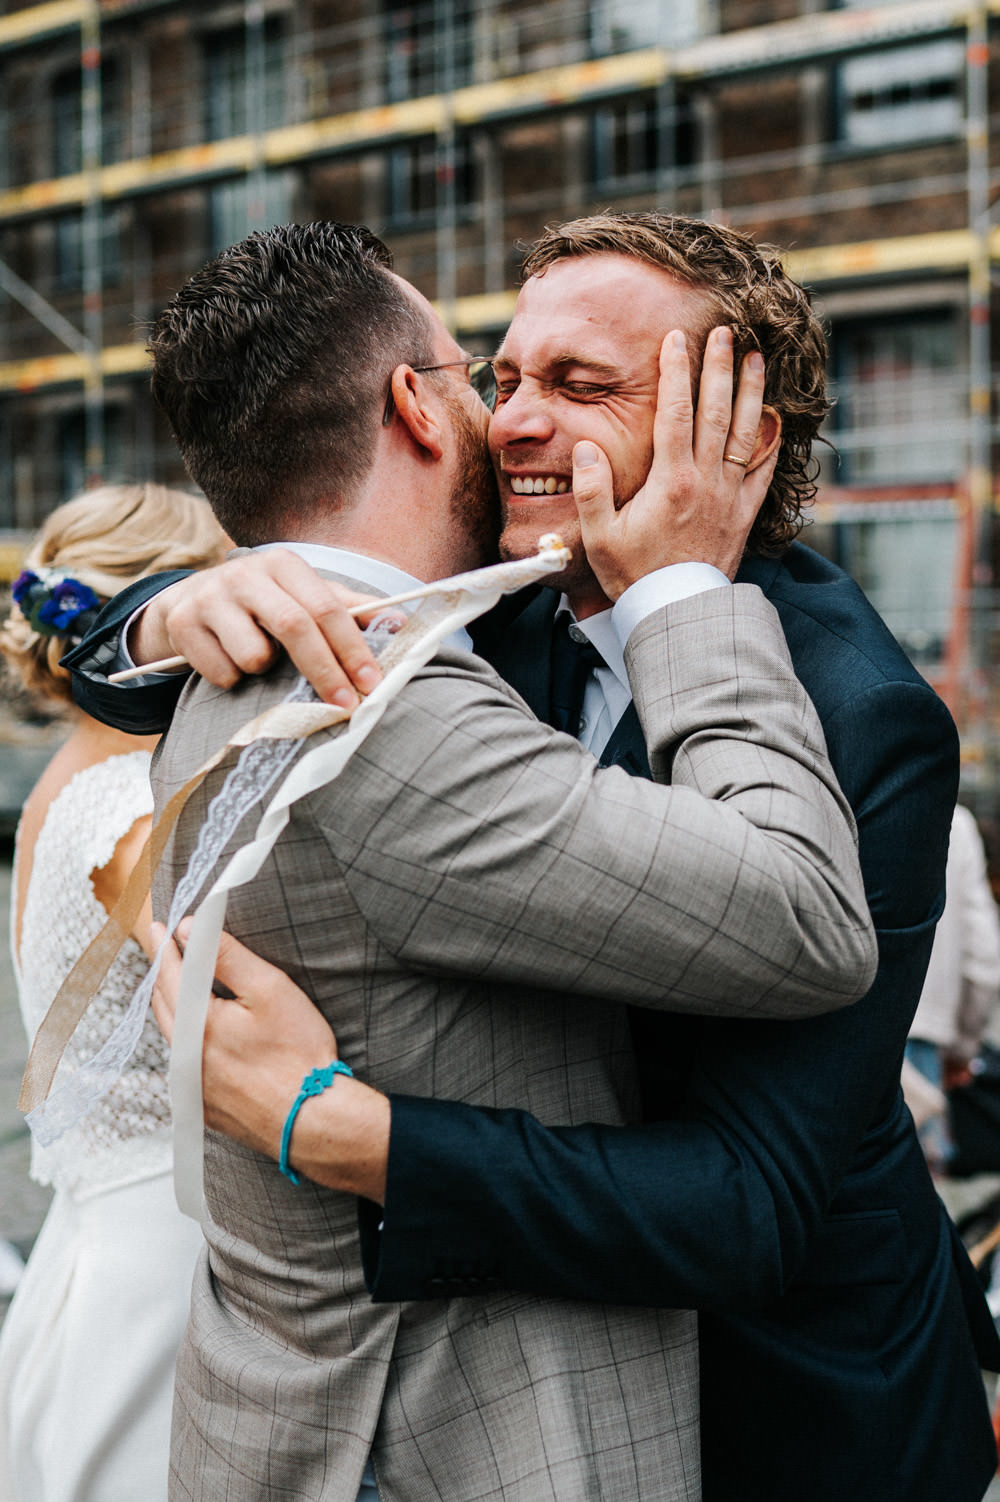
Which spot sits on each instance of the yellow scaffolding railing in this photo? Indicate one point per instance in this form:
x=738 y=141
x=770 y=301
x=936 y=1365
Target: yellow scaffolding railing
x=779 y=44
x=949 y=251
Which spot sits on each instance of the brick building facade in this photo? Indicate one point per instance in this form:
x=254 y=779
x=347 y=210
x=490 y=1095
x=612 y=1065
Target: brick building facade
x=139 y=136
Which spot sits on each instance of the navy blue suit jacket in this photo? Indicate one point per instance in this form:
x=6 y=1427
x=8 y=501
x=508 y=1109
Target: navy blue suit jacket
x=778 y=1185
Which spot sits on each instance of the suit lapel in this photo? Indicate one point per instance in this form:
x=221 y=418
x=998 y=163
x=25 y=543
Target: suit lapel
x=627 y=746
x=515 y=639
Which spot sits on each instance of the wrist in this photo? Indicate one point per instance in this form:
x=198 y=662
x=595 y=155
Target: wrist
x=340 y=1139
x=660 y=587
x=146 y=637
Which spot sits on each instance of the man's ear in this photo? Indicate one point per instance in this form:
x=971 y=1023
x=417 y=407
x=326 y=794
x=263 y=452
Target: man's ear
x=767 y=439
x=420 y=418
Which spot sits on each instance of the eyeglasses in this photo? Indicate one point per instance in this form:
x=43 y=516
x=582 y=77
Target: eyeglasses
x=482 y=379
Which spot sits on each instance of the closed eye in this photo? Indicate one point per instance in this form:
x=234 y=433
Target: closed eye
x=584 y=390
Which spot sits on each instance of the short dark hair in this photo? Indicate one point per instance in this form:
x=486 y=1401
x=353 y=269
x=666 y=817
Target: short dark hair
x=272 y=363
x=747 y=288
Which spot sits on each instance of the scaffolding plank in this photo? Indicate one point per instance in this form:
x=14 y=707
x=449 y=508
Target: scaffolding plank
x=948 y=250
x=823 y=34
x=47 y=371
x=39 y=21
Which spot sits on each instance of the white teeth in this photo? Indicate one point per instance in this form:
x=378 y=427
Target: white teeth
x=524 y=485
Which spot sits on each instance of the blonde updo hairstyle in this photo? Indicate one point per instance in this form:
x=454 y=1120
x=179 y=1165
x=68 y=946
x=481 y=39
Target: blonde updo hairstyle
x=107 y=538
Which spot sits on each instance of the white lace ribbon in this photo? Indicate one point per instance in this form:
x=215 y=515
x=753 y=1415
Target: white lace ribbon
x=447 y=607
x=259 y=766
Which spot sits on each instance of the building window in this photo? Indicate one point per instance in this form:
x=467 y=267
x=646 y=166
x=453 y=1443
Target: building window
x=245 y=76
x=68 y=254
x=429 y=47
x=624 y=25
x=904 y=555
x=417 y=178
x=67 y=118
x=256 y=202
x=630 y=142
x=904 y=94
x=900 y=414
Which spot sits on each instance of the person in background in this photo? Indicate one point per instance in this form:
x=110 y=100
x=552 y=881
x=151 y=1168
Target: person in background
x=88 y=1346
x=960 y=988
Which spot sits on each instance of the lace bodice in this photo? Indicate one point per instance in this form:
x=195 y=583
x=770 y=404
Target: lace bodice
x=126 y=1135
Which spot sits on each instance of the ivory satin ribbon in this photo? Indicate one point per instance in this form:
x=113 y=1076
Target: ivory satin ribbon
x=447 y=606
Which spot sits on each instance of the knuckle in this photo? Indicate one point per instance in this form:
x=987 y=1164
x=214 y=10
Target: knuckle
x=586 y=492
x=255 y=659
x=356 y=657
x=287 y=620
x=333 y=620
x=680 y=408
x=244 y=573
x=683 y=487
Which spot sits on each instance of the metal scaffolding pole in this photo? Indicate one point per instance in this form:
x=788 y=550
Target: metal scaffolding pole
x=980 y=458
x=92 y=234
x=255 y=83
x=447 y=253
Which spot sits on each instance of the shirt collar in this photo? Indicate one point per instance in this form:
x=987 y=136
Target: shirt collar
x=600 y=632
x=381 y=578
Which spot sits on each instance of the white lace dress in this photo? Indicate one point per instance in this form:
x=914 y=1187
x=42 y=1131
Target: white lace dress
x=88 y=1346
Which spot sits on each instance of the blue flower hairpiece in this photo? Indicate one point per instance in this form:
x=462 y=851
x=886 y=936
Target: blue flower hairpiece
x=53 y=603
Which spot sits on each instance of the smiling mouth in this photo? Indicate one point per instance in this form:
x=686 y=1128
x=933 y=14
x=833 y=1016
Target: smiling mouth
x=538 y=484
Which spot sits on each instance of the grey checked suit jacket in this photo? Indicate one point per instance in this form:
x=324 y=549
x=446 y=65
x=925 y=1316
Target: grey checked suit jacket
x=470 y=904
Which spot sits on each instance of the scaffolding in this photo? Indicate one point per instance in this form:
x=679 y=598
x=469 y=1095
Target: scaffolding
x=549 y=111
x=498 y=100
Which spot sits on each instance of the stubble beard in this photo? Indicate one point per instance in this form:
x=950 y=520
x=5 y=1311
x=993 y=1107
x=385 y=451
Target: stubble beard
x=474 y=506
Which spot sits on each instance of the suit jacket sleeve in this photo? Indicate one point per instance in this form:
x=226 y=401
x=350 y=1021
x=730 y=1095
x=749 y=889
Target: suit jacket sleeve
x=140 y=709
x=498 y=849
x=716 y=1207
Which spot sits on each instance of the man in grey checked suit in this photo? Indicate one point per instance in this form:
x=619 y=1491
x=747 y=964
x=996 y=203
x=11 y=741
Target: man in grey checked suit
x=471 y=904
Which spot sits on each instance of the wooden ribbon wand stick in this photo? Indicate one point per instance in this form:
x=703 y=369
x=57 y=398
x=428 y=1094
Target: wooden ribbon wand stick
x=479 y=578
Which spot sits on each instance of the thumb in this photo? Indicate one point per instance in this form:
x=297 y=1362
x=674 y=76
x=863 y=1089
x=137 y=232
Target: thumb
x=593 y=491
x=592 y=486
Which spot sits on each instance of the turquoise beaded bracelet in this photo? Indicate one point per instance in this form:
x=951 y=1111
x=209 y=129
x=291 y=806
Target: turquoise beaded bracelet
x=315 y=1082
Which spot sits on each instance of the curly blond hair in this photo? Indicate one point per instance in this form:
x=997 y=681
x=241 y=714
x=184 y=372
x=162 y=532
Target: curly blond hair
x=747 y=288
x=107 y=538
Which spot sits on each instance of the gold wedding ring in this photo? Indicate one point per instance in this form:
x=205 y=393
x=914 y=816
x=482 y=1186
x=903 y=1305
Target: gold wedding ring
x=730 y=459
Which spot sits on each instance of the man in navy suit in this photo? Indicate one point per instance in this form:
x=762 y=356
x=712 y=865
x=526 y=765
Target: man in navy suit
x=777 y=1185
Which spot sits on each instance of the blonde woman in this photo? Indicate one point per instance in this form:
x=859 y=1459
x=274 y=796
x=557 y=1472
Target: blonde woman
x=87 y=1348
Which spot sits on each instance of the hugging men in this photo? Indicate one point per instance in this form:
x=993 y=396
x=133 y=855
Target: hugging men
x=778 y=1187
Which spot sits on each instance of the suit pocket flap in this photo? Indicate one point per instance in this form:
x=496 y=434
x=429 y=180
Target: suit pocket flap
x=869 y=1247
